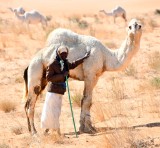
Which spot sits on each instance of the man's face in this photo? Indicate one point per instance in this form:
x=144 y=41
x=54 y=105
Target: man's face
x=63 y=55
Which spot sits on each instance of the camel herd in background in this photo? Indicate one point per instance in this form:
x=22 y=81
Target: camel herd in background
x=30 y=17
x=118 y=11
x=35 y=17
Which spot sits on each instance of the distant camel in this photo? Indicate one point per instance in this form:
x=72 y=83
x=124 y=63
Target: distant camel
x=32 y=17
x=101 y=59
x=116 y=12
x=19 y=10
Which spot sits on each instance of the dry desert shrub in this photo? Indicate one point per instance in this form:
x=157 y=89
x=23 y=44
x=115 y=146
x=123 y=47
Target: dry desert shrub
x=117 y=89
x=74 y=19
x=131 y=71
x=154 y=60
x=155 y=82
x=153 y=104
x=81 y=23
x=76 y=98
x=7 y=106
x=3 y=145
x=17 y=130
x=144 y=87
x=19 y=79
x=122 y=138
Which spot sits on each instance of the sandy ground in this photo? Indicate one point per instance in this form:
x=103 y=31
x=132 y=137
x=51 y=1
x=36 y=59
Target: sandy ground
x=126 y=108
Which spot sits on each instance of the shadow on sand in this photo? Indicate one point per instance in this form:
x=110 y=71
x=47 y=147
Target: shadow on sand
x=108 y=130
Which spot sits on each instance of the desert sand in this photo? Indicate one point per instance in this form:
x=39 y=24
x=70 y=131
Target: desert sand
x=126 y=108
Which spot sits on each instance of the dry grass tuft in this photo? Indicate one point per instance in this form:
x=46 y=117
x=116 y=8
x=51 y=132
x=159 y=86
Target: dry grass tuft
x=3 y=145
x=145 y=87
x=154 y=60
x=17 y=130
x=117 y=89
x=7 y=106
x=155 y=82
x=76 y=98
x=81 y=23
x=19 y=79
x=131 y=71
x=74 y=19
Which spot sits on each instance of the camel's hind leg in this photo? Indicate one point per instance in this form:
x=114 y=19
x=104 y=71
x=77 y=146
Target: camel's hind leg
x=26 y=107
x=124 y=17
x=36 y=83
x=29 y=109
x=85 y=120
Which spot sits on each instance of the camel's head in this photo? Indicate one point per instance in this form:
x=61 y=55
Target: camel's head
x=134 y=28
x=19 y=10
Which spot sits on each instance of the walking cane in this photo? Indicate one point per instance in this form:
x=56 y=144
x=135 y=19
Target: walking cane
x=71 y=107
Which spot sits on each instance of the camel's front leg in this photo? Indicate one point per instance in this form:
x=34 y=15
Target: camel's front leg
x=85 y=118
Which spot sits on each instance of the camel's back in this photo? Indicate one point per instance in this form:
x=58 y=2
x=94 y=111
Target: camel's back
x=78 y=44
x=118 y=11
x=68 y=37
x=33 y=16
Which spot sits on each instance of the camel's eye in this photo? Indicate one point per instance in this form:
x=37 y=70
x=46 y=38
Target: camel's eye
x=130 y=27
x=140 y=26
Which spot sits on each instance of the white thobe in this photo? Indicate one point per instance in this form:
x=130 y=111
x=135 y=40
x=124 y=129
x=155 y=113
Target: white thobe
x=51 y=111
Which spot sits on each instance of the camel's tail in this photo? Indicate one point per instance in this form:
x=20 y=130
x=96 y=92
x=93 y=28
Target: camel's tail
x=25 y=92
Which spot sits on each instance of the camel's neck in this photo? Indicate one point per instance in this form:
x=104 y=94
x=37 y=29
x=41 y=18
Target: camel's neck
x=120 y=58
x=20 y=17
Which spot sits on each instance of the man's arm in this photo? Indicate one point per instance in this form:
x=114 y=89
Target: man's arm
x=52 y=77
x=74 y=64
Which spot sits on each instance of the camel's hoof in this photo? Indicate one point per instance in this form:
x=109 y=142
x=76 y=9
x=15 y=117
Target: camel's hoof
x=34 y=133
x=89 y=129
x=81 y=129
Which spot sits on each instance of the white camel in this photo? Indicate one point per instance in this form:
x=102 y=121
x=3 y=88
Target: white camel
x=101 y=59
x=19 y=10
x=118 y=11
x=32 y=17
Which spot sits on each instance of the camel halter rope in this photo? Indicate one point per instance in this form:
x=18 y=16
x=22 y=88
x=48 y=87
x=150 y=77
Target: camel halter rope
x=71 y=106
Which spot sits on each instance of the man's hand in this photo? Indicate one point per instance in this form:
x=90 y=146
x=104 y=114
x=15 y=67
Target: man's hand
x=87 y=54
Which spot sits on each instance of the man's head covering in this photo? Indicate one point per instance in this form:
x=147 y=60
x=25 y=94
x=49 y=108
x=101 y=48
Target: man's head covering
x=62 y=49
